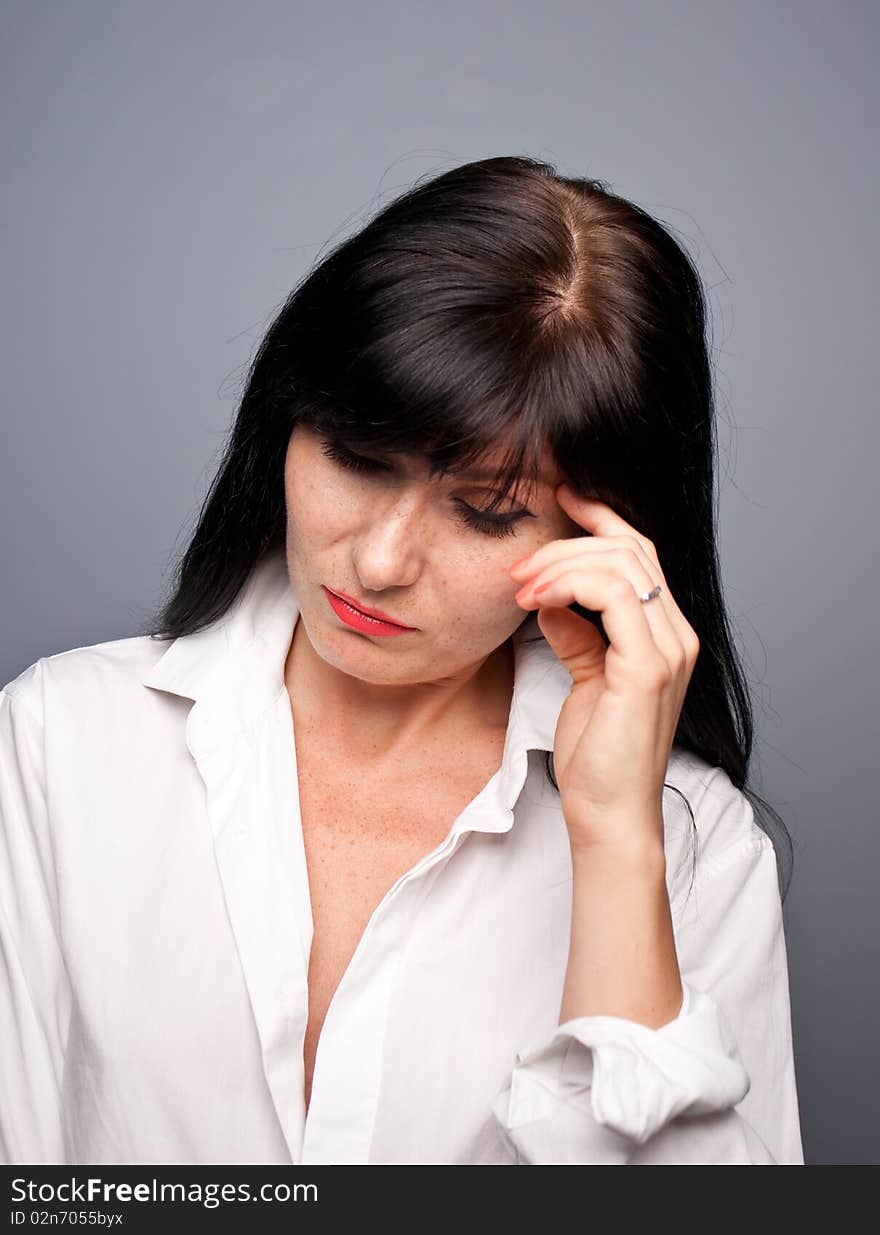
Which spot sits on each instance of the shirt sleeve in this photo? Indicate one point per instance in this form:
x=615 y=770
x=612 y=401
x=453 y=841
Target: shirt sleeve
x=34 y=991
x=716 y=1085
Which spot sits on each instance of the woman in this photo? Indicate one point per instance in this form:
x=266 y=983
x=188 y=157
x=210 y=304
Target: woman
x=425 y=839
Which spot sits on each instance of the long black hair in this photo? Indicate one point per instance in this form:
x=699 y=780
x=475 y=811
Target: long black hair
x=500 y=301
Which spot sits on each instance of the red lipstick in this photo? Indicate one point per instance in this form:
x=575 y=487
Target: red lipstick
x=369 y=621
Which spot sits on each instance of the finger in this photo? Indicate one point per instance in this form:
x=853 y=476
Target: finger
x=600 y=519
x=632 y=630
x=557 y=550
x=603 y=560
x=612 y=564
x=560 y=551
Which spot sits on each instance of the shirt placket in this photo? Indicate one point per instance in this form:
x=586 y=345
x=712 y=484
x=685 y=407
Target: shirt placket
x=346 y=1086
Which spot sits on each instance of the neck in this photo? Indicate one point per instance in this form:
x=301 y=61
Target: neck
x=371 y=721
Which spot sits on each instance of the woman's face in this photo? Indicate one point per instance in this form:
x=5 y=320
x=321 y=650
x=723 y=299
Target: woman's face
x=384 y=534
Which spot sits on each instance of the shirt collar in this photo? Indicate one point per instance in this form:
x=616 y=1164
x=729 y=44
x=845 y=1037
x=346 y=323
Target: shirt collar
x=234 y=670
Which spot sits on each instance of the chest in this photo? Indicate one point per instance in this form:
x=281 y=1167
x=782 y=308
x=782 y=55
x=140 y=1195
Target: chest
x=362 y=831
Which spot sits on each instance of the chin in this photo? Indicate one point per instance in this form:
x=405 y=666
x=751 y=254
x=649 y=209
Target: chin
x=349 y=652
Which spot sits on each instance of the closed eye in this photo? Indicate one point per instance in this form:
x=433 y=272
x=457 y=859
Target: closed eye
x=486 y=522
x=356 y=463
x=489 y=524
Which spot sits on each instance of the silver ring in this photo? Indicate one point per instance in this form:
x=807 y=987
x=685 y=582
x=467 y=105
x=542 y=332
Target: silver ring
x=650 y=595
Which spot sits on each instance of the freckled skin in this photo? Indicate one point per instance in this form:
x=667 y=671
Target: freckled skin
x=396 y=542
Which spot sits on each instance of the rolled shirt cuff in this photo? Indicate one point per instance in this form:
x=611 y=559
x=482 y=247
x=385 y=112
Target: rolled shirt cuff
x=613 y=1081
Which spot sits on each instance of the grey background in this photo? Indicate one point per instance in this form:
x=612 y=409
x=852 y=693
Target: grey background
x=172 y=169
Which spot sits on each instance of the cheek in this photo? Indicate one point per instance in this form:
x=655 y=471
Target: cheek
x=305 y=518
x=477 y=585
x=319 y=509
x=475 y=579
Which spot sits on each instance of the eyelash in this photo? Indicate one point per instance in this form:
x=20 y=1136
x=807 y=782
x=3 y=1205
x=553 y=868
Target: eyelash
x=489 y=525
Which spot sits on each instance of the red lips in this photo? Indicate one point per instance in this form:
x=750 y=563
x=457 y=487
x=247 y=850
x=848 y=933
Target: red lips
x=375 y=613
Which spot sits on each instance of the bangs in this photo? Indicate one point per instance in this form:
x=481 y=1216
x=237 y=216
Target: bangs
x=453 y=428
x=445 y=452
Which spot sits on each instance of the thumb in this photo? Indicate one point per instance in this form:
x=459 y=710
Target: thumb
x=574 y=639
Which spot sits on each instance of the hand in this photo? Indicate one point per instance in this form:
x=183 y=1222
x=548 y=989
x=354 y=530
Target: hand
x=616 y=728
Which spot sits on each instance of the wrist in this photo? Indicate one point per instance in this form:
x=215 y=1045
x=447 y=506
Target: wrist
x=636 y=854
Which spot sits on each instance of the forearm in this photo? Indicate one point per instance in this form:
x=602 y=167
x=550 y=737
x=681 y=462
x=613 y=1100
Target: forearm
x=622 y=959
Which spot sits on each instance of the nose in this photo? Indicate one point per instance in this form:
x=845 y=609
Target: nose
x=388 y=549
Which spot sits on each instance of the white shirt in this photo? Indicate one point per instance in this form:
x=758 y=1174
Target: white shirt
x=155 y=928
